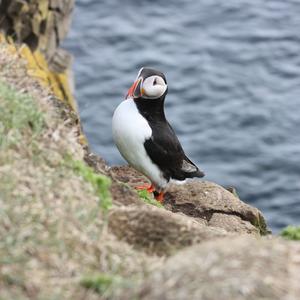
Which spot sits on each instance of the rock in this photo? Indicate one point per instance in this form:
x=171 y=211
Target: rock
x=158 y=231
x=59 y=61
x=96 y=162
x=204 y=201
x=124 y=180
x=128 y=175
x=232 y=223
x=40 y=24
x=124 y=195
x=240 y=268
x=36 y=28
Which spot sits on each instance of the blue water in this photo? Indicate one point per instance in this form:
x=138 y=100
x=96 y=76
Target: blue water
x=233 y=70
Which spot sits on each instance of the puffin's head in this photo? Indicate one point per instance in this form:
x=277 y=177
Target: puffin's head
x=149 y=84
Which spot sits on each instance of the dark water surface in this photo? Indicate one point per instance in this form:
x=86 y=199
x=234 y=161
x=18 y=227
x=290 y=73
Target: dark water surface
x=233 y=69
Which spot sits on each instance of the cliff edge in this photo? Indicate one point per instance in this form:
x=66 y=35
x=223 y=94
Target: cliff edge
x=72 y=227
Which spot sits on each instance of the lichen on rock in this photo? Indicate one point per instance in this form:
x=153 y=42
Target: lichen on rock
x=40 y=24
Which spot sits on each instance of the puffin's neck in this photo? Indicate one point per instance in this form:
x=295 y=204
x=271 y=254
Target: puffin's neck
x=151 y=110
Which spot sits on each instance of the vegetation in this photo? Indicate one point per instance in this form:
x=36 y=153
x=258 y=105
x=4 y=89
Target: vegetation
x=100 y=283
x=22 y=127
x=145 y=196
x=19 y=116
x=53 y=207
x=100 y=183
x=104 y=284
x=291 y=233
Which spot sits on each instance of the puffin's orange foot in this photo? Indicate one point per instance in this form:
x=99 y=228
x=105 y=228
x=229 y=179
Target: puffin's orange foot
x=160 y=197
x=149 y=188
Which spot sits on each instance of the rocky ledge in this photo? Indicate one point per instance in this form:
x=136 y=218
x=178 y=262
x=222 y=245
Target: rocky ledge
x=206 y=203
x=214 y=243
x=72 y=227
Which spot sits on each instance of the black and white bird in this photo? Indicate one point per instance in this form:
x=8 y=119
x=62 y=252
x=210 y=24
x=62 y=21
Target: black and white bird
x=146 y=139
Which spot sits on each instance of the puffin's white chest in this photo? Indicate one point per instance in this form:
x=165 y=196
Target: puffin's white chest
x=130 y=131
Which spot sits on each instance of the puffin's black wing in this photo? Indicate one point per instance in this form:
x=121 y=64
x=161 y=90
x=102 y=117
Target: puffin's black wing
x=165 y=151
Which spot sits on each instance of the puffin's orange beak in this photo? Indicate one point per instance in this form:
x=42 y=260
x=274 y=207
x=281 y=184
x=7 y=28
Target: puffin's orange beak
x=135 y=90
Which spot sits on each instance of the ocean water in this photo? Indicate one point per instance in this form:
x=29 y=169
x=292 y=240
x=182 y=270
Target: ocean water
x=233 y=71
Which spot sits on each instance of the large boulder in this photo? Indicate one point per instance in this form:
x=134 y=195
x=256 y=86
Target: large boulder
x=240 y=268
x=205 y=202
x=216 y=205
x=158 y=231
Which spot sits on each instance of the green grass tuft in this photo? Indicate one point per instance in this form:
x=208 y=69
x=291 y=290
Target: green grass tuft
x=145 y=196
x=108 y=285
x=100 y=283
x=104 y=284
x=100 y=183
x=291 y=233
x=19 y=115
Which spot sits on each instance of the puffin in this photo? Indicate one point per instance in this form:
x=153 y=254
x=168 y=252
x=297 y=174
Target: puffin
x=145 y=138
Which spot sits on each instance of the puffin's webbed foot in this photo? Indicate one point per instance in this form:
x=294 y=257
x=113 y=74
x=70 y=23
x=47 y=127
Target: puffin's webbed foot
x=159 y=196
x=149 y=188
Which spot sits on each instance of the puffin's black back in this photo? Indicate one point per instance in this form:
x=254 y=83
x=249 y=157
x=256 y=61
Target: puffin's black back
x=163 y=147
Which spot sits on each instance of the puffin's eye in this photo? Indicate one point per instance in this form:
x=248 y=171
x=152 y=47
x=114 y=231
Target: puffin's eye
x=154 y=81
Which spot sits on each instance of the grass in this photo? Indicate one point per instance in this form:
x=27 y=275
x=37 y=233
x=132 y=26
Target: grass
x=100 y=283
x=103 y=284
x=100 y=183
x=145 y=197
x=21 y=119
x=291 y=233
x=52 y=206
x=106 y=284
x=43 y=203
x=19 y=116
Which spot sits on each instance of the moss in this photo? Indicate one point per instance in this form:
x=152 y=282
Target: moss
x=100 y=283
x=145 y=196
x=291 y=233
x=19 y=115
x=107 y=285
x=261 y=225
x=100 y=183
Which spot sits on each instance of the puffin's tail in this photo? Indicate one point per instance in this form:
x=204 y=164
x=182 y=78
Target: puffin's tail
x=199 y=174
x=190 y=169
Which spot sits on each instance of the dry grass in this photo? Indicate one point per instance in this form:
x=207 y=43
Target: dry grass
x=54 y=242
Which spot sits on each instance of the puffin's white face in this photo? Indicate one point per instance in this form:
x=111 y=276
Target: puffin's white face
x=153 y=87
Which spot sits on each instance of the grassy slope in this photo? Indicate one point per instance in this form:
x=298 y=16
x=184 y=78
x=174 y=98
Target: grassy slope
x=53 y=237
